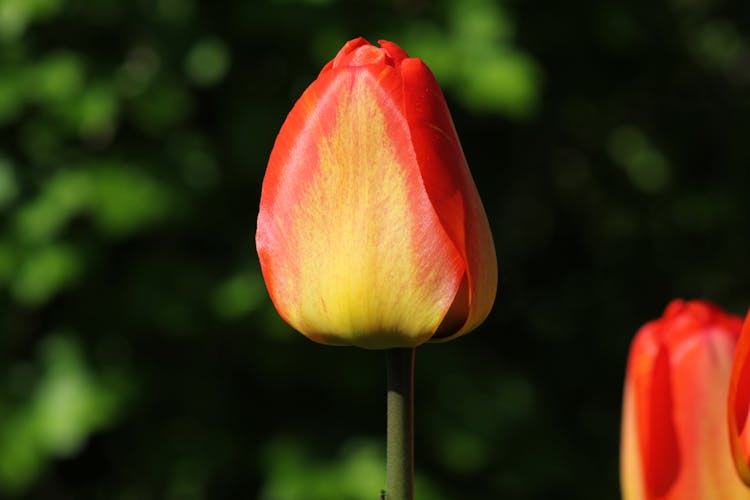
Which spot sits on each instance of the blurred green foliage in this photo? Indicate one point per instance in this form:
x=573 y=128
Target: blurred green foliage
x=140 y=357
x=60 y=410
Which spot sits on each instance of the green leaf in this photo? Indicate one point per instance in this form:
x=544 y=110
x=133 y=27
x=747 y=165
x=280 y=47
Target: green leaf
x=44 y=272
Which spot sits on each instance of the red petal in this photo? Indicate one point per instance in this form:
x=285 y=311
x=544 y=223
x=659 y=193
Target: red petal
x=739 y=402
x=344 y=53
x=396 y=53
x=450 y=187
x=659 y=448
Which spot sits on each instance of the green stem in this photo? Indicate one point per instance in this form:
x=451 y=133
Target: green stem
x=400 y=435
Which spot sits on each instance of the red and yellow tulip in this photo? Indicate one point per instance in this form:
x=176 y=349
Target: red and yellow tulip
x=674 y=432
x=371 y=231
x=739 y=399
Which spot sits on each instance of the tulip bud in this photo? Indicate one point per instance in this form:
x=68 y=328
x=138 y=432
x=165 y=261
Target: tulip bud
x=739 y=398
x=371 y=231
x=674 y=435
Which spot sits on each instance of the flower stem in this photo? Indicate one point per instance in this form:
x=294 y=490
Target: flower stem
x=400 y=434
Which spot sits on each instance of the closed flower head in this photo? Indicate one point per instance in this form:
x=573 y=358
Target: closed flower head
x=371 y=231
x=674 y=426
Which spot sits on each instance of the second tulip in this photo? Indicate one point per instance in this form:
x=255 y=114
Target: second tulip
x=674 y=430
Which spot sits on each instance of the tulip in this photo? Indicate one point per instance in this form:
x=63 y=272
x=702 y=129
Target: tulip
x=739 y=397
x=674 y=434
x=371 y=232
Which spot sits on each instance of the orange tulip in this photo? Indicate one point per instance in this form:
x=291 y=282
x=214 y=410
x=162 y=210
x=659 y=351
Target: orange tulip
x=371 y=231
x=674 y=434
x=739 y=398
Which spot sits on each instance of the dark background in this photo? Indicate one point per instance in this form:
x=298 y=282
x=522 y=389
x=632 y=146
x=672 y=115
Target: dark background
x=140 y=357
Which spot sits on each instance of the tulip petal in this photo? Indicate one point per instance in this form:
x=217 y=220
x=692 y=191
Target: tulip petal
x=631 y=469
x=452 y=192
x=739 y=403
x=657 y=444
x=396 y=53
x=354 y=252
x=700 y=374
x=344 y=53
